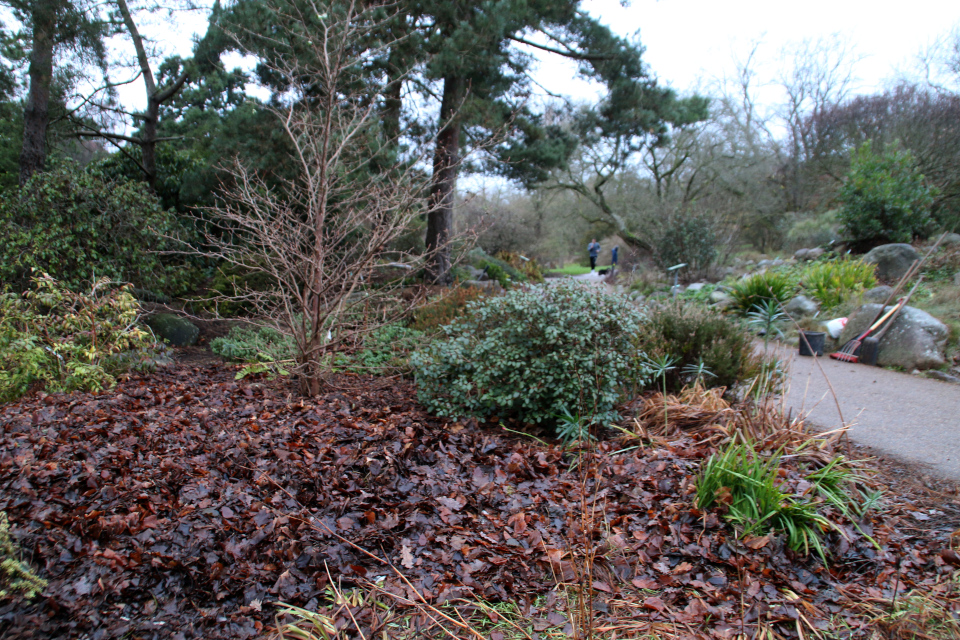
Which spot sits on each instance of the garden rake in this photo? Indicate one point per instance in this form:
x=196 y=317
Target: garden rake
x=850 y=352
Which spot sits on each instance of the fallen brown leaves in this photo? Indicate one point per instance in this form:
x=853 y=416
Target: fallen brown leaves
x=180 y=504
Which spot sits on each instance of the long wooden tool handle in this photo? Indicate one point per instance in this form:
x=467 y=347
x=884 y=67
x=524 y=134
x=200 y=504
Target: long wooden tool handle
x=893 y=318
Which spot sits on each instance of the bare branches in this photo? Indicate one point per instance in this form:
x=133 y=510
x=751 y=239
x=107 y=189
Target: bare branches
x=321 y=245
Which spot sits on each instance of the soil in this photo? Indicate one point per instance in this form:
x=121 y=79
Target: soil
x=185 y=504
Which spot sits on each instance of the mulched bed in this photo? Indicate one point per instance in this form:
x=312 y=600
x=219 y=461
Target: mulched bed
x=183 y=503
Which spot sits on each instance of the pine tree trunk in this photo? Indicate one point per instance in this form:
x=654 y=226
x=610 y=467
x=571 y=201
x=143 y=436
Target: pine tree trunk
x=35 y=117
x=446 y=163
x=149 y=144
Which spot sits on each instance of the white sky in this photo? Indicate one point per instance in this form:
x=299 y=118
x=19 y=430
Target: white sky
x=691 y=42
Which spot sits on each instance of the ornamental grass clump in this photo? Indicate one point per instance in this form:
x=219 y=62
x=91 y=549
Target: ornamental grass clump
x=836 y=281
x=533 y=354
x=751 y=293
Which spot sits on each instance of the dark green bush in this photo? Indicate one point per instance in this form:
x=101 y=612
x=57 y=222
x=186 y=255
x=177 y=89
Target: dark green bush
x=533 y=355
x=78 y=226
x=689 y=240
x=692 y=335
x=496 y=268
x=58 y=340
x=885 y=199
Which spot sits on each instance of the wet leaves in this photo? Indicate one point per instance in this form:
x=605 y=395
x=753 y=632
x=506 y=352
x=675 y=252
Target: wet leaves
x=189 y=501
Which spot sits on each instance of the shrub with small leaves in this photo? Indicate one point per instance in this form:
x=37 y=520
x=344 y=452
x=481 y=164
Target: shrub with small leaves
x=533 y=354
x=695 y=338
x=58 y=340
x=690 y=240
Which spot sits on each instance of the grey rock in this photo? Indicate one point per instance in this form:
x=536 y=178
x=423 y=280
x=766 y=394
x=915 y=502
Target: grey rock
x=951 y=240
x=721 y=299
x=801 y=307
x=174 y=330
x=764 y=263
x=475 y=274
x=696 y=286
x=956 y=278
x=801 y=254
x=815 y=253
x=489 y=285
x=877 y=294
x=943 y=377
x=916 y=340
x=892 y=260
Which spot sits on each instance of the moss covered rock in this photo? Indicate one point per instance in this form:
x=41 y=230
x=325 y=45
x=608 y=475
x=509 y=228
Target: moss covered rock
x=172 y=329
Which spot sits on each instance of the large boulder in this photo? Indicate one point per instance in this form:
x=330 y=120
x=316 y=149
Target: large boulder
x=801 y=307
x=892 y=260
x=174 y=330
x=878 y=294
x=916 y=340
x=951 y=240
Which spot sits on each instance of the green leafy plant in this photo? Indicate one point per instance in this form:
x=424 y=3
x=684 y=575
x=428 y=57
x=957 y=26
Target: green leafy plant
x=527 y=266
x=78 y=226
x=746 y=482
x=752 y=292
x=15 y=576
x=58 y=340
x=386 y=350
x=253 y=344
x=693 y=335
x=572 y=429
x=767 y=317
x=659 y=367
x=835 y=281
x=885 y=199
x=533 y=354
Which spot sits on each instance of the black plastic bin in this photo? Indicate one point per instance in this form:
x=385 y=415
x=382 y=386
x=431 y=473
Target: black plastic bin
x=811 y=343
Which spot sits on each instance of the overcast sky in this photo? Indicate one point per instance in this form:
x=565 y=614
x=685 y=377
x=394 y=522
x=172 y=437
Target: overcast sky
x=690 y=42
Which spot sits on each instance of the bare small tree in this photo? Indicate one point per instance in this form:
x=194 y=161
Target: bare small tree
x=323 y=241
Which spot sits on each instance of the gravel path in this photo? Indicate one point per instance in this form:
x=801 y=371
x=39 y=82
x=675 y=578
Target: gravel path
x=909 y=417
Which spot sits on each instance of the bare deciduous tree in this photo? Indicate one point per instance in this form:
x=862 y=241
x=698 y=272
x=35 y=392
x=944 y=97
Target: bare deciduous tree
x=323 y=242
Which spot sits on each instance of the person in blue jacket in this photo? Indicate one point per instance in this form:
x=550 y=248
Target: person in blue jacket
x=614 y=256
x=594 y=250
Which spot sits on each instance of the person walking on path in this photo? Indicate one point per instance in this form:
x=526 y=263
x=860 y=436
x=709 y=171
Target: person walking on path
x=614 y=256
x=594 y=250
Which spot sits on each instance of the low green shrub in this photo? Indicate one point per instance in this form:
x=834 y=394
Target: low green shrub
x=77 y=226
x=386 y=351
x=15 y=576
x=58 y=340
x=832 y=282
x=753 y=291
x=534 y=355
x=692 y=337
x=253 y=344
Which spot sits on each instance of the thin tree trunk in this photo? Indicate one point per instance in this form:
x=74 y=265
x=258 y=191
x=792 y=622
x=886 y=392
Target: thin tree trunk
x=33 y=155
x=446 y=162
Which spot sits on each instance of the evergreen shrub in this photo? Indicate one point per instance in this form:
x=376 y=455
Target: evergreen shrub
x=695 y=338
x=533 y=354
x=885 y=199
x=58 y=340
x=78 y=226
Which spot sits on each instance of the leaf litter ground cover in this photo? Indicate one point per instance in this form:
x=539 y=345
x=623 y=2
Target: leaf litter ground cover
x=185 y=504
